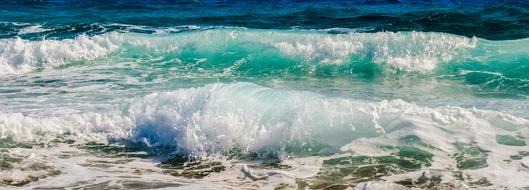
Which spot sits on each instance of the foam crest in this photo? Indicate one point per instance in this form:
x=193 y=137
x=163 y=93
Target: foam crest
x=21 y=56
x=219 y=117
x=413 y=51
x=409 y=51
x=33 y=29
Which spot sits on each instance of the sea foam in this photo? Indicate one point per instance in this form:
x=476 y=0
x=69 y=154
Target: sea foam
x=22 y=56
x=409 y=51
x=218 y=117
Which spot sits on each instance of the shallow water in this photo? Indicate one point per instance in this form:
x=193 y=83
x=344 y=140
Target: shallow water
x=273 y=95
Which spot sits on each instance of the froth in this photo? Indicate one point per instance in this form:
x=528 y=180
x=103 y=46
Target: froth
x=414 y=51
x=218 y=117
x=21 y=56
x=409 y=51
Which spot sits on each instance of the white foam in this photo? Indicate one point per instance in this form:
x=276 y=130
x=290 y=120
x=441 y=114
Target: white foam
x=169 y=30
x=414 y=51
x=89 y=126
x=33 y=29
x=216 y=118
x=21 y=56
x=410 y=51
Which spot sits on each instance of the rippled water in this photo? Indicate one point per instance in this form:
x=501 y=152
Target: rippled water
x=233 y=94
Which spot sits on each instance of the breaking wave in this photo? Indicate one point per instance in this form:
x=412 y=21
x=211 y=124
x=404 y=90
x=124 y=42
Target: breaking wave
x=219 y=117
x=409 y=51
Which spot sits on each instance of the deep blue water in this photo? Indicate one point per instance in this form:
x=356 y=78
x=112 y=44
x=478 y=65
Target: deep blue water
x=490 y=19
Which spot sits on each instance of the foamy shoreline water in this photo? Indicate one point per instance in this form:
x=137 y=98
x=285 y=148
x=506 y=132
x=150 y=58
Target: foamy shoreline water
x=389 y=136
x=286 y=95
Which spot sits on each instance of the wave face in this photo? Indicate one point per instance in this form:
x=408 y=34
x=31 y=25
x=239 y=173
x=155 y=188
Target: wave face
x=219 y=117
x=491 y=66
x=245 y=120
x=420 y=51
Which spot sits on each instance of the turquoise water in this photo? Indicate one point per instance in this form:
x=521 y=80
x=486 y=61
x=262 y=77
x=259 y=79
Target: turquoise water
x=375 y=94
x=414 y=66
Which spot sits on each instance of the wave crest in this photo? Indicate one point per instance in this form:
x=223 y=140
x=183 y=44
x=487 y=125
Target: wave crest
x=219 y=117
x=22 y=56
x=409 y=51
x=415 y=51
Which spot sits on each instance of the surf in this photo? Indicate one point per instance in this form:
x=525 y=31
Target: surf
x=418 y=105
x=253 y=53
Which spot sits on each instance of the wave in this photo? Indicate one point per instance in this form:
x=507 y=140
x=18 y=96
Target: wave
x=251 y=52
x=22 y=56
x=218 y=117
x=408 y=51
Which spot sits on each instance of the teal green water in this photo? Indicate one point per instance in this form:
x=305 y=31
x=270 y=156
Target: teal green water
x=400 y=102
x=429 y=68
x=389 y=94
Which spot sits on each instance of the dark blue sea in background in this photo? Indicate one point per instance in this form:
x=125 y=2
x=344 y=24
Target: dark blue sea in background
x=490 y=19
x=361 y=94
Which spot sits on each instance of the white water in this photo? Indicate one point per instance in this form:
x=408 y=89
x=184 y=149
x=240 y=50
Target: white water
x=210 y=120
x=117 y=87
x=410 y=51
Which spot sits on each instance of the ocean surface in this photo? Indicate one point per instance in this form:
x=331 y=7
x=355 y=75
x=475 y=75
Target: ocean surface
x=362 y=94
